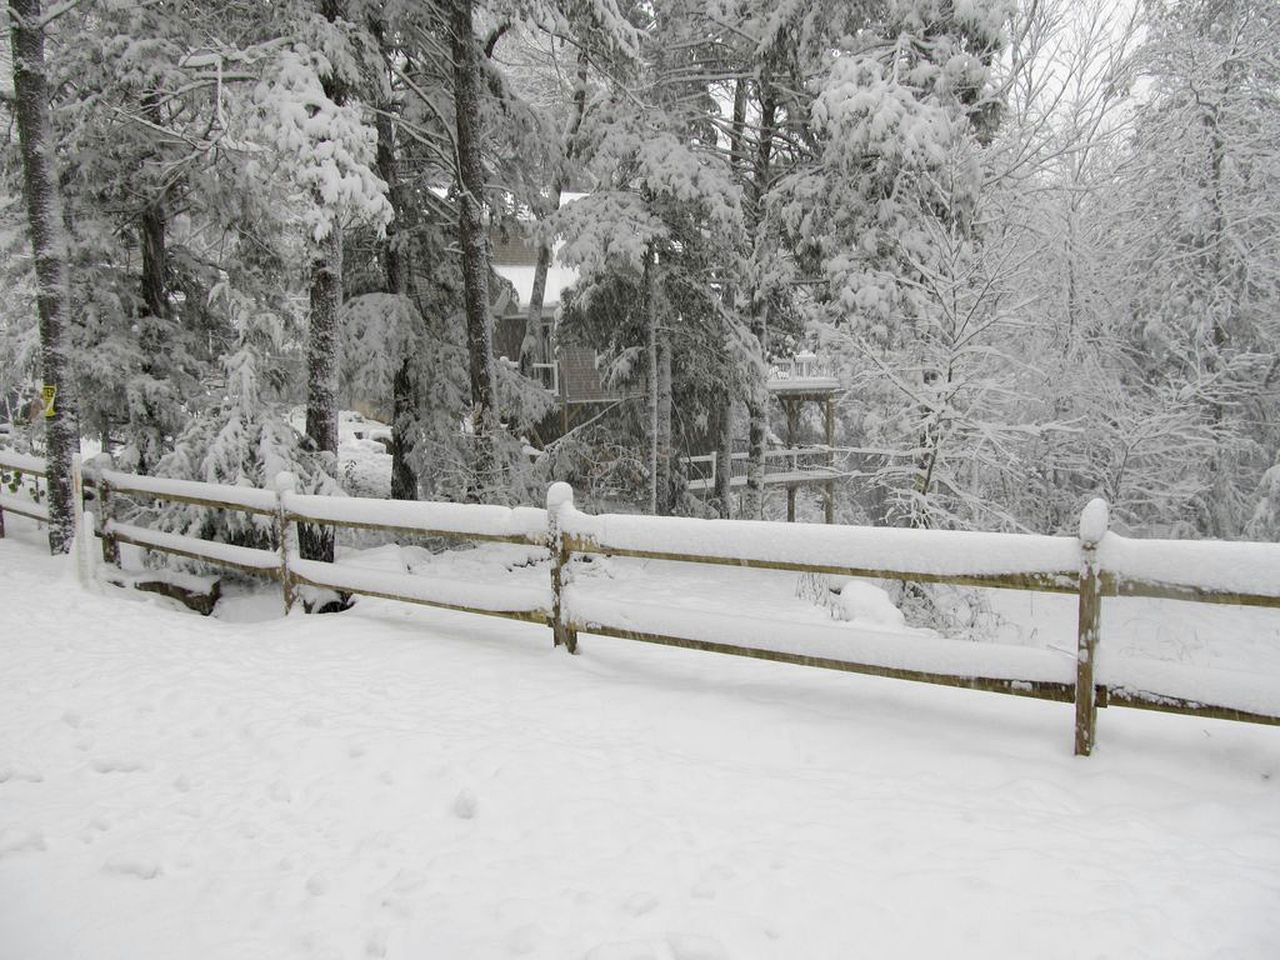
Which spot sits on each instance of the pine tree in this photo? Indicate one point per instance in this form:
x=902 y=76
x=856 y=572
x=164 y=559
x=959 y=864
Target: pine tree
x=49 y=246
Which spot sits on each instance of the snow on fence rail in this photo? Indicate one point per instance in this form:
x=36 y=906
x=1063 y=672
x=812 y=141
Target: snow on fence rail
x=1095 y=565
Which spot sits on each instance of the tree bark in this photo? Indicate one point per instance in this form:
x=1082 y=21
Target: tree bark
x=722 y=496
x=316 y=542
x=723 y=493
x=666 y=500
x=475 y=259
x=651 y=325
x=758 y=394
x=155 y=295
x=49 y=245
x=397 y=262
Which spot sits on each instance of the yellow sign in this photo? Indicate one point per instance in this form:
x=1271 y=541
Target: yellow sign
x=47 y=393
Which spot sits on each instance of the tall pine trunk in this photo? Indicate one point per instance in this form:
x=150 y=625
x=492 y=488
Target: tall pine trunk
x=397 y=263
x=475 y=260
x=722 y=496
x=651 y=327
x=666 y=499
x=49 y=245
x=316 y=542
x=758 y=393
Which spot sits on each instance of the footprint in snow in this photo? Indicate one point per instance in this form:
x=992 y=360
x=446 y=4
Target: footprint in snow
x=628 y=950
x=524 y=939
x=125 y=866
x=119 y=765
x=318 y=885
x=693 y=946
x=709 y=883
x=20 y=774
x=638 y=904
x=20 y=841
x=464 y=805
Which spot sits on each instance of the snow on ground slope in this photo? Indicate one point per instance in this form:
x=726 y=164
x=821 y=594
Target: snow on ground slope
x=404 y=783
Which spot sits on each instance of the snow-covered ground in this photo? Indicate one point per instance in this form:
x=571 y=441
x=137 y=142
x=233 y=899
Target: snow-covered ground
x=400 y=782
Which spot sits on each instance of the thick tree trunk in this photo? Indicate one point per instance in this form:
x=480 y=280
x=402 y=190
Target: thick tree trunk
x=475 y=260
x=316 y=542
x=651 y=325
x=722 y=497
x=397 y=264
x=758 y=394
x=666 y=504
x=723 y=493
x=49 y=245
x=155 y=293
x=155 y=298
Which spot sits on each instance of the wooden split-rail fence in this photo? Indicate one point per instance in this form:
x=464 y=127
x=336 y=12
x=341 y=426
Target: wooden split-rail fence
x=1060 y=565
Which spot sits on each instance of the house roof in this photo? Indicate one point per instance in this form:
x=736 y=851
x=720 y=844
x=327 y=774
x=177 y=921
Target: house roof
x=521 y=277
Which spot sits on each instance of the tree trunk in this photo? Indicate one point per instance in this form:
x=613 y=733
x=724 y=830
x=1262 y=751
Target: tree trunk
x=651 y=324
x=316 y=542
x=666 y=498
x=155 y=296
x=723 y=493
x=397 y=264
x=758 y=394
x=722 y=496
x=49 y=245
x=531 y=345
x=475 y=260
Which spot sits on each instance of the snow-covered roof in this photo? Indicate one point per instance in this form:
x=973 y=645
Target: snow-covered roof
x=521 y=277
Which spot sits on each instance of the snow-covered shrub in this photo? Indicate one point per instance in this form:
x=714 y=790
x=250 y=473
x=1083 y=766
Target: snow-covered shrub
x=246 y=440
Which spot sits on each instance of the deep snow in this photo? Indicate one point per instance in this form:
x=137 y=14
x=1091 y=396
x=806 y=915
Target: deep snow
x=400 y=782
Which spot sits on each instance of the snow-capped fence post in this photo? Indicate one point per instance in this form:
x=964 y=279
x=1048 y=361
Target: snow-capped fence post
x=559 y=498
x=286 y=534
x=110 y=547
x=1093 y=527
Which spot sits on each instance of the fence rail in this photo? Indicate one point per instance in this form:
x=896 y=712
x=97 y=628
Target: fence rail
x=1094 y=565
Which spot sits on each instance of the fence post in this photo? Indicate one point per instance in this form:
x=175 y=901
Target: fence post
x=110 y=548
x=559 y=498
x=286 y=535
x=1093 y=527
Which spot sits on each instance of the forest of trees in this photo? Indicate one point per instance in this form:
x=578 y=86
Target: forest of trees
x=1038 y=239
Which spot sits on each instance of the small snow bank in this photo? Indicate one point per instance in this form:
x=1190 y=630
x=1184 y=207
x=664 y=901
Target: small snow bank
x=865 y=604
x=527 y=524
x=1248 y=568
x=847 y=642
x=931 y=552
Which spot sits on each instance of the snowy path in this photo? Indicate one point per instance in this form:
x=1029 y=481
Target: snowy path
x=403 y=783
